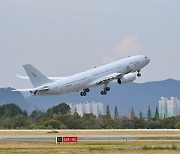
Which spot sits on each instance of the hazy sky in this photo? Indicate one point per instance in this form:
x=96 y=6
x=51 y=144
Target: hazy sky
x=63 y=37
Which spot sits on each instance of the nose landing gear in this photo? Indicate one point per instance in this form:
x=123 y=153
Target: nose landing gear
x=138 y=74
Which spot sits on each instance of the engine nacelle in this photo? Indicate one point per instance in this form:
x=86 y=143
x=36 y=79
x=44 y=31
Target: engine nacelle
x=127 y=78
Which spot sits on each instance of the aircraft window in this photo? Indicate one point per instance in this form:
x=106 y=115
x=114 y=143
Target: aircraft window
x=145 y=57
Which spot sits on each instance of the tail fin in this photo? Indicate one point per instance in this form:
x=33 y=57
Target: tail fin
x=36 y=77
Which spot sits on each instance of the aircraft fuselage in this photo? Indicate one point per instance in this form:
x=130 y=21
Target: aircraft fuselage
x=85 y=79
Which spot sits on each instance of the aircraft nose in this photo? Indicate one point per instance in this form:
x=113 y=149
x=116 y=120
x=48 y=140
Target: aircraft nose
x=147 y=59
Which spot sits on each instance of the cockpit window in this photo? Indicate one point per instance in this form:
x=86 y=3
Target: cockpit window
x=145 y=57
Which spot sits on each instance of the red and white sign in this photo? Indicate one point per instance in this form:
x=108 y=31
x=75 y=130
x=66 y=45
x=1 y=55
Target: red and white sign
x=70 y=139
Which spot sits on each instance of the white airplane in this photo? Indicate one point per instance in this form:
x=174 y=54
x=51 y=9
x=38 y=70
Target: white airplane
x=123 y=71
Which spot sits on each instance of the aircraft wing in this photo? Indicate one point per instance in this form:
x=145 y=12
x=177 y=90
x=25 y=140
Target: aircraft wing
x=108 y=78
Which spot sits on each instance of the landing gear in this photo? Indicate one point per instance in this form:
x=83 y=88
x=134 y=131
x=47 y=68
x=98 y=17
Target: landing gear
x=87 y=90
x=106 y=89
x=84 y=92
x=34 y=93
x=139 y=74
x=119 y=81
x=103 y=92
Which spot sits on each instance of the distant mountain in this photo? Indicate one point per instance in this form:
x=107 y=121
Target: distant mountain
x=8 y=97
x=136 y=95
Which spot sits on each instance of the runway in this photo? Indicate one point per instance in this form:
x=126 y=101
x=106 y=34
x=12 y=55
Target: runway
x=53 y=138
x=87 y=138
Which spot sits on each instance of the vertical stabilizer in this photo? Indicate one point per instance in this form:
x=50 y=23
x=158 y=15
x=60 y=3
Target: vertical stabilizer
x=36 y=77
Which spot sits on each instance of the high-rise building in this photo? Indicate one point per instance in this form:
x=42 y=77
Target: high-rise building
x=169 y=108
x=87 y=107
x=172 y=107
x=178 y=107
x=163 y=107
x=79 y=109
x=94 y=107
x=100 y=108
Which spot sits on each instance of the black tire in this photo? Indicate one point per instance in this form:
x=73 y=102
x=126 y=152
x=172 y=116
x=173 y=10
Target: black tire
x=102 y=92
x=87 y=90
x=139 y=75
x=105 y=92
x=119 y=81
x=108 y=89
x=82 y=93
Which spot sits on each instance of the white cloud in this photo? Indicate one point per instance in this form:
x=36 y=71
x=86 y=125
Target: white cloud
x=127 y=47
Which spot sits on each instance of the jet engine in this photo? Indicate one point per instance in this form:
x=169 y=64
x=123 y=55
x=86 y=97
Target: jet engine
x=127 y=78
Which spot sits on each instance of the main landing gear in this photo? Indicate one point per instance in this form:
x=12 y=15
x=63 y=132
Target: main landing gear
x=138 y=74
x=106 y=89
x=34 y=93
x=84 y=92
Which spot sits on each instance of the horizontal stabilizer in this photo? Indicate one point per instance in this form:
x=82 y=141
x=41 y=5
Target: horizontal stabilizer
x=22 y=90
x=51 y=78
x=33 y=91
x=22 y=77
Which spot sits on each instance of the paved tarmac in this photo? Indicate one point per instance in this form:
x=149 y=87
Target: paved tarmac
x=85 y=138
x=53 y=138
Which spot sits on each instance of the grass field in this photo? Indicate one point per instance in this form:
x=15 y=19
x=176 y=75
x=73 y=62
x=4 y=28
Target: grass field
x=87 y=132
x=97 y=147
x=89 y=147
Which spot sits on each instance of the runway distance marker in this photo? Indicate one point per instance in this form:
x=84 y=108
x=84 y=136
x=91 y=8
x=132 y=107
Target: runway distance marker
x=66 y=139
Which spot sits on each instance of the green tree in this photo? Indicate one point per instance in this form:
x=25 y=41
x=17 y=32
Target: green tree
x=133 y=119
x=169 y=123
x=19 y=121
x=149 y=117
x=116 y=120
x=52 y=124
x=124 y=122
x=36 y=114
x=70 y=121
x=35 y=117
x=156 y=117
x=11 y=110
x=100 y=120
x=141 y=121
x=108 y=118
x=89 y=121
x=62 y=108
x=177 y=126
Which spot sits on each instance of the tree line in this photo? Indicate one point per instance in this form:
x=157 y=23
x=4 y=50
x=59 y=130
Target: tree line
x=59 y=117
